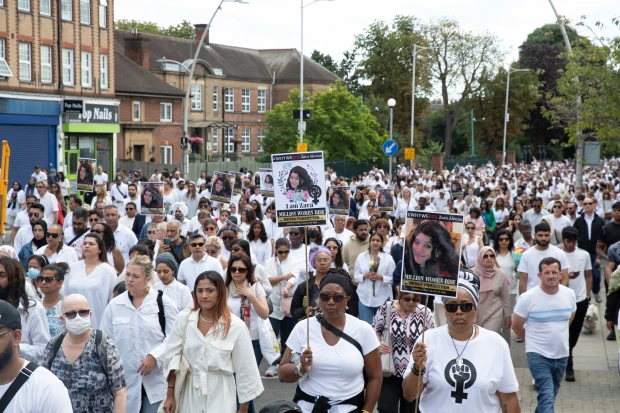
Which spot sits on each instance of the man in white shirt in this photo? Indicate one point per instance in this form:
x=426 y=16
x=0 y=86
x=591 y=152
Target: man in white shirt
x=527 y=241
x=339 y=231
x=440 y=202
x=118 y=193
x=534 y=215
x=41 y=391
x=558 y=220
x=124 y=237
x=101 y=178
x=130 y=215
x=21 y=219
x=132 y=192
x=74 y=235
x=25 y=235
x=528 y=266
x=180 y=212
x=548 y=309
x=49 y=203
x=38 y=175
x=581 y=283
x=181 y=190
x=197 y=263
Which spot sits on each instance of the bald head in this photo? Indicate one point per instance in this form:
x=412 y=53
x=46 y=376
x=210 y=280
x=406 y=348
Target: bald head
x=74 y=302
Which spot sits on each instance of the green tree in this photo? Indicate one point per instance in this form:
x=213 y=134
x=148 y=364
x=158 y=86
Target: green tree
x=341 y=126
x=461 y=59
x=346 y=70
x=326 y=61
x=183 y=30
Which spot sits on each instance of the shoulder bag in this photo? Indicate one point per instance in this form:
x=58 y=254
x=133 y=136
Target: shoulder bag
x=387 y=359
x=182 y=373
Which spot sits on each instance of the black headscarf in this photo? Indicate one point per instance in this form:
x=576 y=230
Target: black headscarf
x=40 y=243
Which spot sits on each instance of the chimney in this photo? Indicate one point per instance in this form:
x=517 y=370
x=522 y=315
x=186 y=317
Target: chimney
x=200 y=29
x=137 y=50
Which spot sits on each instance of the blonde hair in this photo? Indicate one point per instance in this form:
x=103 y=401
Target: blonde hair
x=215 y=241
x=145 y=263
x=103 y=193
x=162 y=226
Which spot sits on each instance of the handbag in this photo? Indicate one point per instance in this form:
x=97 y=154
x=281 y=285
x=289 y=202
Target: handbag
x=387 y=359
x=182 y=373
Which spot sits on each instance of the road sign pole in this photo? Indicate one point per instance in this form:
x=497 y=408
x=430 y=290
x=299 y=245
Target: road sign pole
x=390 y=158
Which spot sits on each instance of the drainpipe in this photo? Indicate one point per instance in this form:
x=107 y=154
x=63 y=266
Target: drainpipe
x=271 y=91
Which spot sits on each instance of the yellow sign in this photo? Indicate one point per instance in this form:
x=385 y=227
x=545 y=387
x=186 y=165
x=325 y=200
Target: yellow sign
x=302 y=147
x=409 y=154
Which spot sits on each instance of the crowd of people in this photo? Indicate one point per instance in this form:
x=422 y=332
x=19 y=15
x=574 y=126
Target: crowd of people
x=104 y=308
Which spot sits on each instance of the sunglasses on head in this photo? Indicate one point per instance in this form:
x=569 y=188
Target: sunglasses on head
x=46 y=279
x=51 y=234
x=197 y=244
x=326 y=297
x=465 y=307
x=70 y=315
x=240 y=270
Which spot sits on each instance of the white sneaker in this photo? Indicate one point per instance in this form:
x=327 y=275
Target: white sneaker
x=272 y=371
x=598 y=298
x=533 y=384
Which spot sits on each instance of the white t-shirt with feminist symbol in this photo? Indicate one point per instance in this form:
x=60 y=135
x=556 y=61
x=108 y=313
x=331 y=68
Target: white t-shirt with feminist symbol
x=470 y=387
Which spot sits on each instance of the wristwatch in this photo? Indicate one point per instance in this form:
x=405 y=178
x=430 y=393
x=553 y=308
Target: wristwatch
x=298 y=371
x=417 y=372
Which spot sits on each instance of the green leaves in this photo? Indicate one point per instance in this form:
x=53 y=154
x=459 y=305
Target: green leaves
x=183 y=30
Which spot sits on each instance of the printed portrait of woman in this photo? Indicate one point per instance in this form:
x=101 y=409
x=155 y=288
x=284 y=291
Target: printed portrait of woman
x=385 y=199
x=85 y=175
x=298 y=180
x=268 y=183
x=430 y=252
x=151 y=197
x=339 y=200
x=221 y=187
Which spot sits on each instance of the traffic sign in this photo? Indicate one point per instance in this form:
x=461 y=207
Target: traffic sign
x=409 y=154
x=302 y=147
x=390 y=147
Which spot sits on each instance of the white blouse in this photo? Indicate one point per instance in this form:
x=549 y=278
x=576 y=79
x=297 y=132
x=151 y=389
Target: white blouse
x=66 y=254
x=262 y=250
x=178 y=292
x=96 y=287
x=383 y=289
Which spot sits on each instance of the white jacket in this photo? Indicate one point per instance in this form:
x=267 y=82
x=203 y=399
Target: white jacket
x=35 y=331
x=276 y=268
x=383 y=289
x=137 y=333
x=214 y=360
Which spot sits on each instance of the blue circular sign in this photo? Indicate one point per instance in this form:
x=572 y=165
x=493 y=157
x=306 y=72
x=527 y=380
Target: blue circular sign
x=390 y=147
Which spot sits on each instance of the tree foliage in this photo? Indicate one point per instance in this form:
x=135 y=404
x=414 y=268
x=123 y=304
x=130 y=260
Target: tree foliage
x=345 y=70
x=183 y=30
x=341 y=126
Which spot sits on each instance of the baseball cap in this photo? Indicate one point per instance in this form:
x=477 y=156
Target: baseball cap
x=281 y=406
x=9 y=316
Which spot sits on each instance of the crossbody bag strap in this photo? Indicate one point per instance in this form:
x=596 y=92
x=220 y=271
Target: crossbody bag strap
x=20 y=380
x=388 y=311
x=339 y=333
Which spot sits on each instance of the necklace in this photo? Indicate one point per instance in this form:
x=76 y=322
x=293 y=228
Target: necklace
x=459 y=359
x=206 y=321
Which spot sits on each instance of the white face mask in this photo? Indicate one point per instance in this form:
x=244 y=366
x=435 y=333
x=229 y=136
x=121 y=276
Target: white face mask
x=78 y=325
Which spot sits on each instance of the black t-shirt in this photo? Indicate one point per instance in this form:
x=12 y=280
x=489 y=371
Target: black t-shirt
x=610 y=234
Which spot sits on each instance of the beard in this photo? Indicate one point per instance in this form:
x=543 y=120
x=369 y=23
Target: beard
x=362 y=237
x=6 y=355
x=542 y=243
x=4 y=293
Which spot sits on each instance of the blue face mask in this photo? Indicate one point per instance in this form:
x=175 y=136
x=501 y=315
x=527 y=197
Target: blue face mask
x=33 y=273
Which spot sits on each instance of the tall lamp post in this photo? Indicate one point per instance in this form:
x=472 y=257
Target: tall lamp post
x=302 y=122
x=391 y=103
x=185 y=164
x=510 y=70
x=473 y=120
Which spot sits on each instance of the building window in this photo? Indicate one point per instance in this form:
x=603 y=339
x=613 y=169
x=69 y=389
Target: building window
x=230 y=145
x=87 y=69
x=196 y=96
x=67 y=67
x=245 y=140
x=136 y=111
x=5 y=70
x=103 y=13
x=261 y=135
x=46 y=64
x=165 y=112
x=25 y=62
x=216 y=97
x=262 y=100
x=216 y=139
x=45 y=8
x=23 y=5
x=85 y=11
x=66 y=9
x=229 y=99
x=245 y=100
x=103 y=71
x=166 y=154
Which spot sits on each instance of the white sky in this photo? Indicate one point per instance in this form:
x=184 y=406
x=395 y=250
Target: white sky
x=331 y=26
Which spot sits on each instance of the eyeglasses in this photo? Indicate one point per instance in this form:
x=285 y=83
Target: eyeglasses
x=588 y=203
x=408 y=299
x=203 y=206
x=503 y=239
x=129 y=209
x=381 y=226
x=332 y=247
x=51 y=234
x=326 y=297
x=70 y=315
x=46 y=279
x=34 y=214
x=93 y=220
x=283 y=252
x=322 y=260
x=485 y=256
x=240 y=270
x=235 y=249
x=151 y=232
x=211 y=228
x=465 y=307
x=40 y=186
x=557 y=206
x=227 y=238
x=294 y=233
x=197 y=244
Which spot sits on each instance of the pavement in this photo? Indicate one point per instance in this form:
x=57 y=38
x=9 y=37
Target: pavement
x=596 y=389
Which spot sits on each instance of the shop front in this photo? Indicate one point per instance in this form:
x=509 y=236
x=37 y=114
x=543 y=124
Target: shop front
x=91 y=134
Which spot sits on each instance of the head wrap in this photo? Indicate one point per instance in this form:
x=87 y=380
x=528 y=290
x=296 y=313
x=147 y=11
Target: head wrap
x=10 y=251
x=40 y=242
x=168 y=259
x=485 y=274
x=182 y=207
x=315 y=251
x=469 y=282
x=340 y=279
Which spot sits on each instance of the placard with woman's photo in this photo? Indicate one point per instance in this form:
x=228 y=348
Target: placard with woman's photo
x=222 y=187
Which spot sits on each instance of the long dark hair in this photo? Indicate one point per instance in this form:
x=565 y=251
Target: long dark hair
x=305 y=182
x=250 y=215
x=108 y=236
x=444 y=259
x=249 y=276
x=221 y=309
x=338 y=260
x=511 y=242
x=15 y=291
x=157 y=200
x=103 y=255
x=263 y=233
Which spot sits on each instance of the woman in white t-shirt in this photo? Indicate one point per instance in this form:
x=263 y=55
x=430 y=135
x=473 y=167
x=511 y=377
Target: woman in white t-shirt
x=459 y=372
x=332 y=366
x=261 y=245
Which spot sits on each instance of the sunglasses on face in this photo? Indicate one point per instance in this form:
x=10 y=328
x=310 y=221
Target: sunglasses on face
x=332 y=247
x=471 y=227
x=235 y=249
x=486 y=256
x=211 y=252
x=197 y=244
x=408 y=299
x=587 y=203
x=227 y=238
x=503 y=239
x=93 y=220
x=240 y=270
x=283 y=252
x=465 y=307
x=34 y=214
x=326 y=297
x=151 y=232
x=381 y=226
x=204 y=206
x=71 y=314
x=211 y=228
x=46 y=279
x=294 y=233
x=129 y=209
x=51 y=234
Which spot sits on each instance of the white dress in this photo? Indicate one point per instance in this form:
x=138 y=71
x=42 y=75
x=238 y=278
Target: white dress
x=96 y=287
x=214 y=360
x=383 y=289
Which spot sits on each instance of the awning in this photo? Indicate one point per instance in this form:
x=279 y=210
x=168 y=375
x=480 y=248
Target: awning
x=209 y=124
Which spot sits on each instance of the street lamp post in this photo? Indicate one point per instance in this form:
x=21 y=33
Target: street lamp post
x=391 y=103
x=302 y=123
x=415 y=52
x=510 y=70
